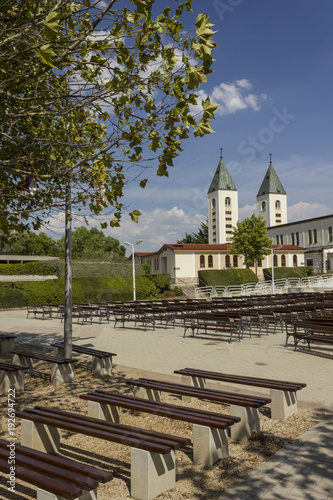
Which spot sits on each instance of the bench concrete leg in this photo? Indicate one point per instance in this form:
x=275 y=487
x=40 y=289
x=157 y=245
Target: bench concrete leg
x=62 y=373
x=59 y=352
x=16 y=380
x=241 y=431
x=40 y=437
x=284 y=404
x=23 y=361
x=45 y=495
x=151 y=394
x=103 y=411
x=151 y=473
x=193 y=382
x=4 y=383
x=209 y=444
x=6 y=345
x=102 y=366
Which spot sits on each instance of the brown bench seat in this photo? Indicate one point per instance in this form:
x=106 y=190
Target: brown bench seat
x=42 y=310
x=53 y=475
x=62 y=370
x=101 y=360
x=133 y=315
x=311 y=331
x=210 y=430
x=217 y=323
x=282 y=393
x=152 y=453
x=241 y=405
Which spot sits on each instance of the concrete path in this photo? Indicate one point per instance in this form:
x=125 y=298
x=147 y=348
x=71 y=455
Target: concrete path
x=301 y=470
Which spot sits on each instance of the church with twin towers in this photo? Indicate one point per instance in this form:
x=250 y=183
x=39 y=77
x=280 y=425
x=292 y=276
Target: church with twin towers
x=223 y=203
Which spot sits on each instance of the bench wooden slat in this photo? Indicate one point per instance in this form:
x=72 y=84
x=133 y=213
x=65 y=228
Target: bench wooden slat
x=123 y=434
x=163 y=409
x=242 y=380
x=69 y=465
x=43 y=357
x=55 y=485
x=211 y=394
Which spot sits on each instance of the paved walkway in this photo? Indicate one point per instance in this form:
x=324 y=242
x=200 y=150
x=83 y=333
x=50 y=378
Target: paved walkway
x=301 y=470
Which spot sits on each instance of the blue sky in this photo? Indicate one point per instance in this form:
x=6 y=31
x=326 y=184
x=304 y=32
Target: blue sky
x=273 y=78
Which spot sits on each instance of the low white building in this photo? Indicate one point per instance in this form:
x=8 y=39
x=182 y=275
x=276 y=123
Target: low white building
x=183 y=260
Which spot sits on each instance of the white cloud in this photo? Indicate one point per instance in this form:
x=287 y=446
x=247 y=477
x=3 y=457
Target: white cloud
x=303 y=210
x=232 y=97
x=247 y=211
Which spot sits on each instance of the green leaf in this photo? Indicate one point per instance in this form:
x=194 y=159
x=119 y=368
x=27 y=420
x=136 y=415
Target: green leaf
x=143 y=183
x=135 y=215
x=46 y=54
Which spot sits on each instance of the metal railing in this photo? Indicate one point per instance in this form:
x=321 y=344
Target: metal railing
x=264 y=287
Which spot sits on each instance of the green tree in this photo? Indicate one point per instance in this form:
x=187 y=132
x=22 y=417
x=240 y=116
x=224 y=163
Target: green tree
x=200 y=237
x=91 y=95
x=92 y=243
x=30 y=243
x=248 y=239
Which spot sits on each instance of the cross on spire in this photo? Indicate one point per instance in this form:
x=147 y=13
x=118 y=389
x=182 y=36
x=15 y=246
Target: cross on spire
x=270 y=158
x=221 y=149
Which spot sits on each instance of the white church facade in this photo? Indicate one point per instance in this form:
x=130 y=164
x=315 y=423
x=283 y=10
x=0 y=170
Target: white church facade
x=183 y=260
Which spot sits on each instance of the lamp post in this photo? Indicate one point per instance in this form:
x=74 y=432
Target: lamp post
x=133 y=262
x=272 y=250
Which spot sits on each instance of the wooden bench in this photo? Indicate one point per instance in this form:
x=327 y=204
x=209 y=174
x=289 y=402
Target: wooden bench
x=101 y=360
x=282 y=393
x=244 y=406
x=43 y=311
x=7 y=342
x=11 y=377
x=216 y=323
x=55 y=477
x=62 y=370
x=310 y=331
x=133 y=315
x=210 y=430
x=153 y=467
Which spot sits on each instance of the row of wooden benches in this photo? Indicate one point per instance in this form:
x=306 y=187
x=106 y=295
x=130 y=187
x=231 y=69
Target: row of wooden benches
x=316 y=330
x=62 y=369
x=153 y=464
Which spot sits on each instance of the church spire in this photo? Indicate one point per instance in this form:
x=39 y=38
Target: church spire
x=271 y=183
x=222 y=179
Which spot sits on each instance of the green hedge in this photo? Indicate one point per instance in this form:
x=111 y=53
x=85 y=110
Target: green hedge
x=227 y=277
x=22 y=293
x=288 y=272
x=161 y=281
x=29 y=268
x=96 y=269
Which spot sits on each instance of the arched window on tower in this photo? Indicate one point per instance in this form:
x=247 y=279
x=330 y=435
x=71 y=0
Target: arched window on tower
x=330 y=234
x=228 y=202
x=294 y=260
x=213 y=203
x=315 y=236
x=210 y=261
x=202 y=261
x=292 y=238
x=227 y=261
x=310 y=237
x=278 y=205
x=277 y=239
x=297 y=238
x=263 y=206
x=275 y=260
x=235 y=261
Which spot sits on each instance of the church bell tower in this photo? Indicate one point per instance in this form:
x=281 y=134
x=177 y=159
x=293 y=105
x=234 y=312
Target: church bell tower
x=222 y=205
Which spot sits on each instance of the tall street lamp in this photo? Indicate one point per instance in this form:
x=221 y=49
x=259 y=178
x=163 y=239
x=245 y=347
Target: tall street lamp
x=272 y=250
x=133 y=262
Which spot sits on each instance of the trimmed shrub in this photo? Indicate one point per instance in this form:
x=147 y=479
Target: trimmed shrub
x=288 y=272
x=82 y=269
x=178 y=291
x=227 y=277
x=22 y=293
x=161 y=281
x=29 y=268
